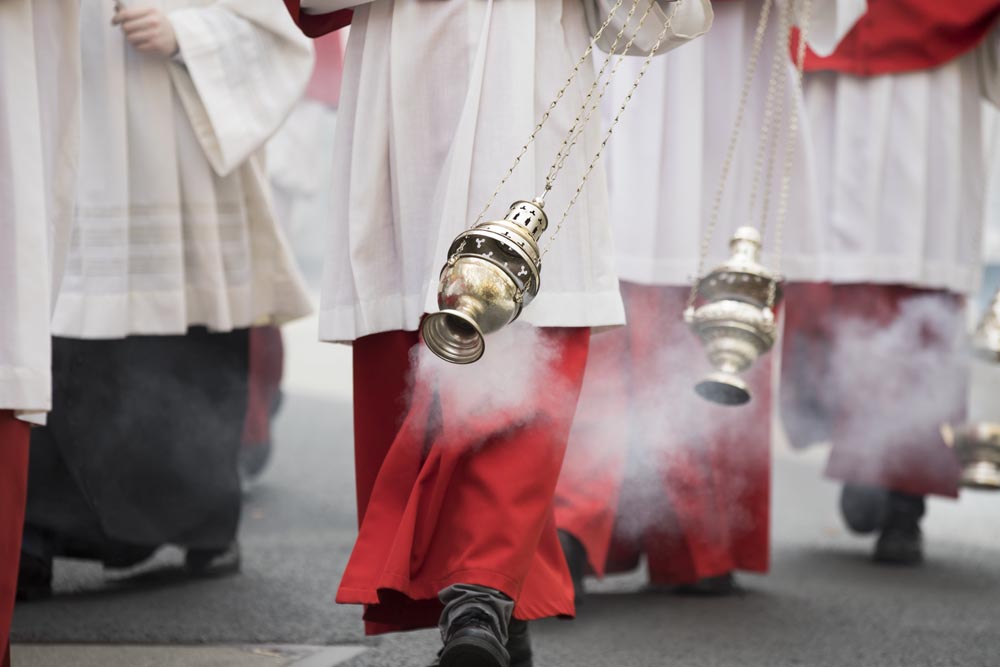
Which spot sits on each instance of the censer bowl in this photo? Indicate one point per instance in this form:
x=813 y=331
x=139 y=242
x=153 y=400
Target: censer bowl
x=735 y=334
x=977 y=447
x=476 y=298
x=724 y=389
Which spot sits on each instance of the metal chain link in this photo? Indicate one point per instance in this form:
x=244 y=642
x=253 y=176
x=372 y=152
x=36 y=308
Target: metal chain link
x=590 y=105
x=793 y=131
x=548 y=112
x=777 y=91
x=734 y=140
x=611 y=128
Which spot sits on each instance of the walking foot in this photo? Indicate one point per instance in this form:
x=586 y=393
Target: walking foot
x=901 y=541
x=719 y=586
x=473 y=640
x=864 y=508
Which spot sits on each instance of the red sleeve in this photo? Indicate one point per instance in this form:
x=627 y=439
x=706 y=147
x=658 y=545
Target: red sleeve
x=315 y=25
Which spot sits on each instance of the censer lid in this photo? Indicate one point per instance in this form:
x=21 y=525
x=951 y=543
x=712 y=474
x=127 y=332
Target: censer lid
x=742 y=277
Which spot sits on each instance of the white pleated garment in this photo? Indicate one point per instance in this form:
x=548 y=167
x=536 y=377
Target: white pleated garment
x=666 y=160
x=39 y=133
x=438 y=98
x=900 y=165
x=174 y=226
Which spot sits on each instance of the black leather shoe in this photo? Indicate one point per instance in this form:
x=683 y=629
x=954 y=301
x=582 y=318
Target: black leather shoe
x=576 y=559
x=213 y=562
x=519 y=644
x=720 y=586
x=864 y=508
x=901 y=541
x=900 y=545
x=34 y=578
x=473 y=642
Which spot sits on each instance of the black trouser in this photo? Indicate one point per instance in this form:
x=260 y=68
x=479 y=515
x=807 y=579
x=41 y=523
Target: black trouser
x=141 y=448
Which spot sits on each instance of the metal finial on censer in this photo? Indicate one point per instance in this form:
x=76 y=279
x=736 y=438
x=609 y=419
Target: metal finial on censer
x=986 y=341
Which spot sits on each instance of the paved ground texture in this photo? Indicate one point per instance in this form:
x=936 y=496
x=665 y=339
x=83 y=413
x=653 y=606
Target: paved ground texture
x=824 y=604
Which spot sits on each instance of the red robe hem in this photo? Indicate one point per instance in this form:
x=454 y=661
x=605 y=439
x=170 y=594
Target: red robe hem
x=449 y=493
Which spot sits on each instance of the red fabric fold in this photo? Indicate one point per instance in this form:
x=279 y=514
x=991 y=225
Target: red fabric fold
x=897 y=36
x=445 y=498
x=653 y=468
x=316 y=25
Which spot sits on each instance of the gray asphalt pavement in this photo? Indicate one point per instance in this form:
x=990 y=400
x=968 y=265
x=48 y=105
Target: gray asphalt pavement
x=824 y=603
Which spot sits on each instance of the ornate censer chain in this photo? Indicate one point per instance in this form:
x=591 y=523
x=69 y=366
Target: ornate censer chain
x=552 y=106
x=734 y=140
x=774 y=108
x=611 y=128
x=793 y=130
x=590 y=104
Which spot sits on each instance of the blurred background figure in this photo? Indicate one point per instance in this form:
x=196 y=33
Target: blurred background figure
x=872 y=359
x=300 y=167
x=174 y=255
x=266 y=368
x=300 y=158
x=39 y=134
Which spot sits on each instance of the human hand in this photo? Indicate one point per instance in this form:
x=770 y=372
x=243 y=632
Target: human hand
x=147 y=29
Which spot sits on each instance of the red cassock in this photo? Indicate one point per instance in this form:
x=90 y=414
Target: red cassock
x=447 y=498
x=14 y=438
x=874 y=420
x=652 y=467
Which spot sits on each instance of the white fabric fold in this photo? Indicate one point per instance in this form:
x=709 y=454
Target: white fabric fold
x=438 y=99
x=900 y=167
x=174 y=226
x=665 y=164
x=243 y=62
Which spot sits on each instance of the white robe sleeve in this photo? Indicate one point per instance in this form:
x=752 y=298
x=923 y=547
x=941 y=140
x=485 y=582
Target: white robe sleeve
x=830 y=22
x=327 y=6
x=245 y=65
x=39 y=129
x=692 y=18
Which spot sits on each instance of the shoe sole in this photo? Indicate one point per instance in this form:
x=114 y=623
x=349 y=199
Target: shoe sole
x=471 y=652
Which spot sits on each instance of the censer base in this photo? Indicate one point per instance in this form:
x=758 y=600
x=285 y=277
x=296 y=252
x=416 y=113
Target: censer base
x=453 y=336
x=982 y=475
x=724 y=389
